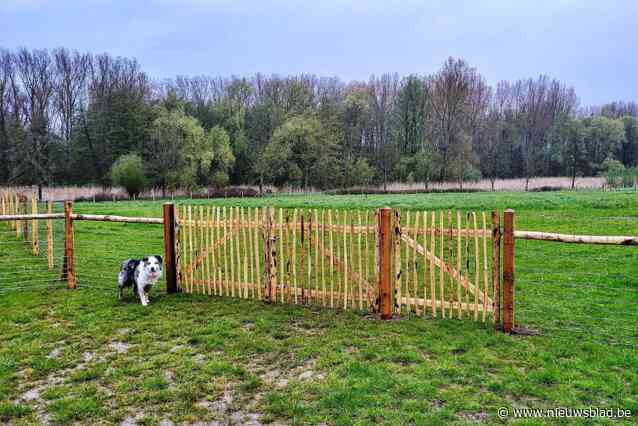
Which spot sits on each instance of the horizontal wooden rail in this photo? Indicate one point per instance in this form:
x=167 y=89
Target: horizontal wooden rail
x=576 y=239
x=10 y=217
x=121 y=219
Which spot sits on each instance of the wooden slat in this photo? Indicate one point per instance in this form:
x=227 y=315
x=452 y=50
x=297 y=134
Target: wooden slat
x=245 y=250
x=302 y=256
x=202 y=246
x=441 y=268
x=323 y=266
x=239 y=263
x=425 y=260
x=408 y=272
x=309 y=279
x=477 y=274
x=397 y=262
x=191 y=276
x=257 y=254
x=226 y=248
x=330 y=249
x=359 y=259
x=415 y=278
x=337 y=247
x=485 y=273
x=316 y=251
x=459 y=256
x=282 y=257
x=293 y=256
x=214 y=255
x=251 y=251
x=496 y=267
x=432 y=264
x=288 y=264
x=345 y=259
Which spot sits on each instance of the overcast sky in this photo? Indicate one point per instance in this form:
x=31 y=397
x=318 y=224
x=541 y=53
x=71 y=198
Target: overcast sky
x=588 y=44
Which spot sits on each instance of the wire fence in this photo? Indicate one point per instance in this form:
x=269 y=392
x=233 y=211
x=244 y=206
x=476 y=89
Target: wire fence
x=25 y=265
x=578 y=291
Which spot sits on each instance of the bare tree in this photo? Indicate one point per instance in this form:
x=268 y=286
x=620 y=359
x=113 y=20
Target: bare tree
x=71 y=75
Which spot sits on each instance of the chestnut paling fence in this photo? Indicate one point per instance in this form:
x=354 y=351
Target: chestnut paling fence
x=441 y=263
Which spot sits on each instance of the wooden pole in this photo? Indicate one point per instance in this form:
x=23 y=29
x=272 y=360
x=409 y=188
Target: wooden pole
x=69 y=261
x=35 y=231
x=18 y=223
x=169 y=248
x=577 y=239
x=49 y=231
x=508 y=271
x=385 y=262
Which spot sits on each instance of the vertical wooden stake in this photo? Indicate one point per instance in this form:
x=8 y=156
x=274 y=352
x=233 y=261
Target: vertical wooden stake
x=169 y=248
x=18 y=223
x=35 y=240
x=69 y=261
x=385 y=262
x=508 y=271
x=49 y=231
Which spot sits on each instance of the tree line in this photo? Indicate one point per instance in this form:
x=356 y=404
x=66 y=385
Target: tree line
x=68 y=117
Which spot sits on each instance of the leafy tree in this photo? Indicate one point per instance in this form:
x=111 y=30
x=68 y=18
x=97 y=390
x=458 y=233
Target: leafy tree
x=128 y=172
x=301 y=154
x=603 y=137
x=427 y=165
x=223 y=158
x=180 y=153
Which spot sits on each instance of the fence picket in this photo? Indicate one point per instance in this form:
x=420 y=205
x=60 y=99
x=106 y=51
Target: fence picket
x=330 y=245
x=397 y=262
x=477 y=275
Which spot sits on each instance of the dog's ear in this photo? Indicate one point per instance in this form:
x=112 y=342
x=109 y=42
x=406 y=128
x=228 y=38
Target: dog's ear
x=145 y=259
x=159 y=258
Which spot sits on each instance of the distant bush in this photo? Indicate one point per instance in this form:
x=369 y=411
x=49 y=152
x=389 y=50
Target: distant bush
x=128 y=172
x=102 y=196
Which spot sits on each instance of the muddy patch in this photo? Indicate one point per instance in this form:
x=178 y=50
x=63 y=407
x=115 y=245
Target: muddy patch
x=119 y=347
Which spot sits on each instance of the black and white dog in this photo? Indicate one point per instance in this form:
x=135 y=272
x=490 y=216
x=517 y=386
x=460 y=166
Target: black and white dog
x=141 y=275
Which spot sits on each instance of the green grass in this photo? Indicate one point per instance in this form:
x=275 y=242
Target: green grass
x=186 y=357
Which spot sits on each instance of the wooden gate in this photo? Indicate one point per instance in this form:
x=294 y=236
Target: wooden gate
x=320 y=257
x=444 y=263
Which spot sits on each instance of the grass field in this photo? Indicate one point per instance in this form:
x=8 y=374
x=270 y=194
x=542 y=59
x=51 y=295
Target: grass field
x=83 y=357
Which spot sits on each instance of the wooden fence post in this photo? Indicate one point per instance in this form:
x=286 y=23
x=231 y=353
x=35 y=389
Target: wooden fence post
x=496 y=267
x=508 y=271
x=18 y=222
x=35 y=228
x=49 y=230
x=384 y=230
x=169 y=248
x=25 y=223
x=68 y=269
